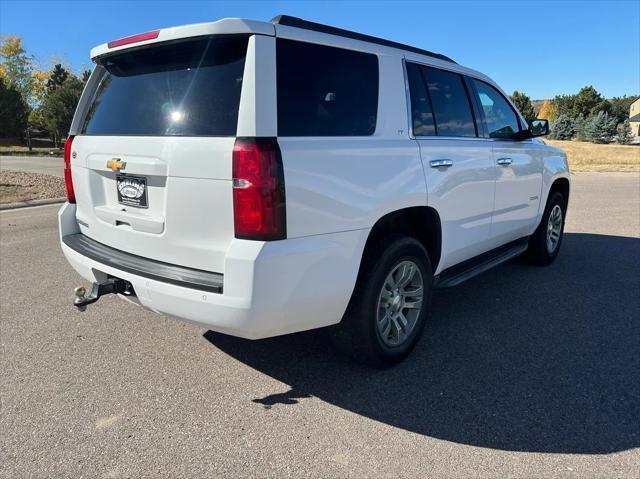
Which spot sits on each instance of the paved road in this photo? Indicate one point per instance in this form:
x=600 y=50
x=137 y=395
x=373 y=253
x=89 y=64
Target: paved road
x=523 y=372
x=33 y=164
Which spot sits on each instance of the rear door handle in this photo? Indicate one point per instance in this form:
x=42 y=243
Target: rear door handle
x=504 y=161
x=439 y=163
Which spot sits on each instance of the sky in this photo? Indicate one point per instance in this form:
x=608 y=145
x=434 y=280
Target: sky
x=543 y=48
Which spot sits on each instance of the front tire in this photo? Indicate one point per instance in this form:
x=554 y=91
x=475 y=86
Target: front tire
x=545 y=242
x=388 y=309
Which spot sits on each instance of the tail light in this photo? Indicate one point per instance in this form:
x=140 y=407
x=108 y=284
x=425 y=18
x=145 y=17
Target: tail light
x=140 y=37
x=68 y=180
x=259 y=209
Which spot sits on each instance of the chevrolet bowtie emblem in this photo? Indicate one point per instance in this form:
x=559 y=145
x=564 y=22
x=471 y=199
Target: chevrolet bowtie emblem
x=116 y=165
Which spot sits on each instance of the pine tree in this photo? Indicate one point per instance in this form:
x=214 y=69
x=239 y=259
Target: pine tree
x=578 y=126
x=60 y=104
x=624 y=133
x=563 y=105
x=524 y=105
x=620 y=106
x=58 y=75
x=588 y=102
x=14 y=111
x=600 y=128
x=563 y=128
x=548 y=111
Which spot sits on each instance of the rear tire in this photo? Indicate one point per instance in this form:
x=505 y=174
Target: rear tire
x=545 y=242
x=388 y=308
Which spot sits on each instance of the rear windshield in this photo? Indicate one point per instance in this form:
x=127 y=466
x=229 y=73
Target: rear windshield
x=186 y=88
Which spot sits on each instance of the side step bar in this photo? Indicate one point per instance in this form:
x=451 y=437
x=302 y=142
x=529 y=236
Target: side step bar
x=468 y=269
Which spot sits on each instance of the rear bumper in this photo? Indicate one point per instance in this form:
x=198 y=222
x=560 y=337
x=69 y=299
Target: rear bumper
x=269 y=288
x=167 y=273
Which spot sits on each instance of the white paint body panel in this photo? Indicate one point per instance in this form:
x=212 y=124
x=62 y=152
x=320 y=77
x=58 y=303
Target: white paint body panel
x=518 y=187
x=190 y=216
x=337 y=188
x=270 y=288
x=463 y=195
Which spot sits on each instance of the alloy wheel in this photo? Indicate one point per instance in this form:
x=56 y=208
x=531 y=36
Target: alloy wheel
x=400 y=303
x=554 y=228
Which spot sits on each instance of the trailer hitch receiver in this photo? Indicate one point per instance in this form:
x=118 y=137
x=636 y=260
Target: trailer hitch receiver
x=110 y=286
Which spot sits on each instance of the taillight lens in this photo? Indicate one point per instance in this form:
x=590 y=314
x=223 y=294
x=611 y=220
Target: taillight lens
x=68 y=180
x=259 y=209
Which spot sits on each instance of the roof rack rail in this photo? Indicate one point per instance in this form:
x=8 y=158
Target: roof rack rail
x=319 y=27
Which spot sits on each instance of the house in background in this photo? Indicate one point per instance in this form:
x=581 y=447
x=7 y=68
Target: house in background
x=634 y=118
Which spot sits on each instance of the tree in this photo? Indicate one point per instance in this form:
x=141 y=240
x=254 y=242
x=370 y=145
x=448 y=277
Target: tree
x=578 y=127
x=524 y=105
x=60 y=104
x=624 y=133
x=57 y=76
x=39 y=81
x=600 y=128
x=602 y=105
x=42 y=84
x=563 y=128
x=39 y=91
x=563 y=104
x=548 y=111
x=16 y=65
x=585 y=102
x=85 y=75
x=13 y=111
x=620 y=107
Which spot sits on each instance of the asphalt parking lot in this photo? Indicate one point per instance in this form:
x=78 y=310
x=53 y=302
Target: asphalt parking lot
x=522 y=372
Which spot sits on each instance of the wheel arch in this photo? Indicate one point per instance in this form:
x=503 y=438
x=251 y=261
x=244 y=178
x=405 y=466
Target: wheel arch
x=555 y=176
x=420 y=222
x=562 y=186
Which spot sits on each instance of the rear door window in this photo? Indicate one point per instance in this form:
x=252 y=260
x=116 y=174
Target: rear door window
x=325 y=91
x=184 y=88
x=450 y=103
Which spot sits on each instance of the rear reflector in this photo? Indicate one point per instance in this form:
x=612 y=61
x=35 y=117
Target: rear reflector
x=259 y=208
x=68 y=180
x=140 y=37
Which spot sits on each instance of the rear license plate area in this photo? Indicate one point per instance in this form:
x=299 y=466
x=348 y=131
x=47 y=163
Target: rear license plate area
x=132 y=190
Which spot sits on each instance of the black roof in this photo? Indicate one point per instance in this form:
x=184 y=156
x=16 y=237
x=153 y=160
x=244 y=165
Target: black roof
x=319 y=27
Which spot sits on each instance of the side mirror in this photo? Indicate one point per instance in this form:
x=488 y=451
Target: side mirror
x=539 y=127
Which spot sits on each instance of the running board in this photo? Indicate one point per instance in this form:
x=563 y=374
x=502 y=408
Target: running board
x=468 y=269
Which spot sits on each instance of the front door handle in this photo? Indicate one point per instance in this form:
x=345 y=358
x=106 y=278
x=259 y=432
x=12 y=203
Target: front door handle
x=504 y=161
x=439 y=163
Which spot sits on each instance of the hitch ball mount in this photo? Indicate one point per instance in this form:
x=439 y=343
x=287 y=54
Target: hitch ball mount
x=110 y=286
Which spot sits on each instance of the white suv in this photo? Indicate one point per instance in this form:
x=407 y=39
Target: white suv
x=262 y=178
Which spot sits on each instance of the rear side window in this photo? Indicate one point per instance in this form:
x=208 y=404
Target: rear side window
x=325 y=91
x=501 y=120
x=450 y=103
x=186 y=88
x=421 y=113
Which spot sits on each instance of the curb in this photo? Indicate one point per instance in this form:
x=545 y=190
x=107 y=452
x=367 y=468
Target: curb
x=26 y=204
